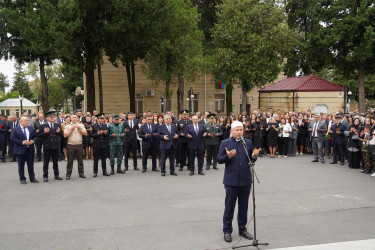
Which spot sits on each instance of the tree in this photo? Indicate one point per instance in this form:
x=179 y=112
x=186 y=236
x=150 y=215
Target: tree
x=346 y=31
x=130 y=33
x=252 y=39
x=177 y=51
x=36 y=31
x=3 y=82
x=20 y=82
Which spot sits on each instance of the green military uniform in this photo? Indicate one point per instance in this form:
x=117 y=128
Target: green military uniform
x=212 y=142
x=366 y=152
x=116 y=145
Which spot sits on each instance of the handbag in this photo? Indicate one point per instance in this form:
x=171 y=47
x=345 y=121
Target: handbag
x=355 y=137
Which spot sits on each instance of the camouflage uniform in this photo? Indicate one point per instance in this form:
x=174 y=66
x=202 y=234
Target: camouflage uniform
x=116 y=145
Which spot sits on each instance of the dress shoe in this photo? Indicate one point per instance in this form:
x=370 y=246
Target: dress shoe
x=191 y=173
x=67 y=178
x=112 y=170
x=156 y=170
x=200 y=172
x=39 y=159
x=144 y=170
x=126 y=168
x=216 y=168
x=95 y=175
x=163 y=174
x=341 y=163
x=368 y=171
x=207 y=167
x=119 y=171
x=45 y=179
x=323 y=161
x=105 y=173
x=177 y=164
x=12 y=160
x=334 y=162
x=174 y=173
x=314 y=161
x=363 y=170
x=23 y=181
x=228 y=237
x=3 y=160
x=247 y=235
x=34 y=180
x=58 y=178
x=82 y=176
x=135 y=168
x=181 y=168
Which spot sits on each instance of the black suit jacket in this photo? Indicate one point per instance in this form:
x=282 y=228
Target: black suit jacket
x=100 y=141
x=131 y=135
x=37 y=125
x=51 y=139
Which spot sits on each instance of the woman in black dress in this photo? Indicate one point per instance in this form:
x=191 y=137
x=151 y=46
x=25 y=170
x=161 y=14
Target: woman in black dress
x=65 y=139
x=354 y=144
x=255 y=129
x=264 y=134
x=246 y=128
x=226 y=130
x=302 y=131
x=272 y=138
x=222 y=127
x=160 y=122
x=87 y=139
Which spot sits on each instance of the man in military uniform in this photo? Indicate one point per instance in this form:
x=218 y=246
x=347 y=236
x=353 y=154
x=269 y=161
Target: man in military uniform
x=212 y=141
x=182 y=138
x=99 y=133
x=116 y=134
x=48 y=134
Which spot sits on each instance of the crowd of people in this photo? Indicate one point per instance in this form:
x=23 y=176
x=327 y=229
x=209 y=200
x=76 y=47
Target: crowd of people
x=344 y=137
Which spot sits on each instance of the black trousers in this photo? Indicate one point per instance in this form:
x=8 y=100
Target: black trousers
x=232 y=194
x=170 y=153
x=338 y=150
x=27 y=157
x=3 y=146
x=211 y=157
x=47 y=154
x=152 y=150
x=183 y=154
x=39 y=145
x=100 y=153
x=354 y=159
x=200 y=156
x=130 y=146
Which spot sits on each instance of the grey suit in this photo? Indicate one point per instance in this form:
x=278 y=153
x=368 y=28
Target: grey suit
x=317 y=135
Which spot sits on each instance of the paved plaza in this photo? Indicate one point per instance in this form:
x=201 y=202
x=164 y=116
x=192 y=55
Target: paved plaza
x=299 y=204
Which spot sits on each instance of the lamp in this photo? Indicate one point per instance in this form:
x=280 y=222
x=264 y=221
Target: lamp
x=350 y=92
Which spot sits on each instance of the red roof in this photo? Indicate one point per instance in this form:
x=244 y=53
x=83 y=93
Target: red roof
x=303 y=84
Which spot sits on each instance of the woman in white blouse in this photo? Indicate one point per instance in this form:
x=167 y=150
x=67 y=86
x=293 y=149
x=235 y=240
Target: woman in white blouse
x=284 y=133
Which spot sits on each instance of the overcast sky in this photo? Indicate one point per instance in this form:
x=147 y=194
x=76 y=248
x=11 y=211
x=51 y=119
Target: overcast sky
x=7 y=68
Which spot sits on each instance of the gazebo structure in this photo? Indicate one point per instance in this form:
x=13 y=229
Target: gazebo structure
x=12 y=106
x=302 y=93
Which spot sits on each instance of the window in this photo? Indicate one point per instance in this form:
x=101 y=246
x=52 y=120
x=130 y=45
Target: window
x=17 y=112
x=5 y=112
x=138 y=103
x=193 y=104
x=219 y=102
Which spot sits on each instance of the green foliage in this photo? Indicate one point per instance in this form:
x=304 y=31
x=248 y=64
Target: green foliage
x=14 y=94
x=252 y=39
x=4 y=83
x=20 y=82
x=177 y=51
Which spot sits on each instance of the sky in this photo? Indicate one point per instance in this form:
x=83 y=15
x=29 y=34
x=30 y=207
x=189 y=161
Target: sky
x=7 y=68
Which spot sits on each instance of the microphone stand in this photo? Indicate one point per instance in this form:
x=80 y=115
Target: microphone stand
x=251 y=165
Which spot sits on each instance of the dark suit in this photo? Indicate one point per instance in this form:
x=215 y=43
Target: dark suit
x=338 y=141
x=39 y=141
x=167 y=147
x=11 y=125
x=24 y=153
x=149 y=145
x=3 y=138
x=100 y=146
x=183 y=141
x=196 y=146
x=130 y=142
x=237 y=181
x=50 y=147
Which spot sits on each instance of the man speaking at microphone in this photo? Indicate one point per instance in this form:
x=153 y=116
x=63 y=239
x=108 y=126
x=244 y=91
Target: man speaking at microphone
x=237 y=179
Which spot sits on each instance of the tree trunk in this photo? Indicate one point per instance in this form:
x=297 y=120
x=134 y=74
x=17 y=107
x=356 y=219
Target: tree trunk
x=229 y=90
x=361 y=89
x=100 y=80
x=131 y=84
x=167 y=97
x=180 y=94
x=244 y=96
x=90 y=79
x=43 y=81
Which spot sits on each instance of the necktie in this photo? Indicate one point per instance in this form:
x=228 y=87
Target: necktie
x=149 y=129
x=131 y=124
x=51 y=125
x=169 y=128
x=14 y=124
x=24 y=133
x=316 y=123
x=196 y=129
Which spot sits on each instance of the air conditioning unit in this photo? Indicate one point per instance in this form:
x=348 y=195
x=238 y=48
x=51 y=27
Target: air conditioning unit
x=149 y=93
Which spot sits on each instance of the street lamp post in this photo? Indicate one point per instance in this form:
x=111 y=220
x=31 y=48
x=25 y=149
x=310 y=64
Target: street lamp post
x=21 y=99
x=190 y=98
x=162 y=103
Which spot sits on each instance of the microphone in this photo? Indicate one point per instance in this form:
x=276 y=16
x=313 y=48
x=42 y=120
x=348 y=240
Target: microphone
x=242 y=139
